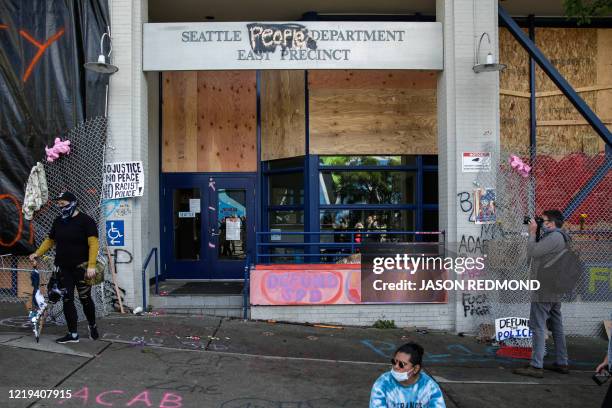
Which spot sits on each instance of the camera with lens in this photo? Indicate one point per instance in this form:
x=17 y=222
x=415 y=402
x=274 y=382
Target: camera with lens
x=538 y=220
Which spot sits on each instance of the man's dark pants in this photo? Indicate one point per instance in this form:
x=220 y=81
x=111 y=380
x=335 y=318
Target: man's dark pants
x=69 y=279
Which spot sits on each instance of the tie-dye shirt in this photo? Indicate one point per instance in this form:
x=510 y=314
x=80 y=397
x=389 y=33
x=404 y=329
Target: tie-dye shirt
x=388 y=393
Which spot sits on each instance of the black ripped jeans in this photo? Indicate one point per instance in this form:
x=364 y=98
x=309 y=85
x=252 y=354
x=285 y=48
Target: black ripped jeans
x=69 y=278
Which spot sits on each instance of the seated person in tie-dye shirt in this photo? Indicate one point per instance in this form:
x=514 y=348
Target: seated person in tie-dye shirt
x=406 y=385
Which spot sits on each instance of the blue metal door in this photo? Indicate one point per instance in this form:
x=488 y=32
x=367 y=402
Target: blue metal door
x=207 y=224
x=231 y=224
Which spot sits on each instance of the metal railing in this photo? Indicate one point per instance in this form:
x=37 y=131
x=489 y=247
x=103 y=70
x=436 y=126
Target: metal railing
x=344 y=244
x=145 y=281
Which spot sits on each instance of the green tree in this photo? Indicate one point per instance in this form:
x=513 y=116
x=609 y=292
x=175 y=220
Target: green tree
x=583 y=10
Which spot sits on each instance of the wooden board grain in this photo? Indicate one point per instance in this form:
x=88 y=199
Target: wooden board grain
x=227 y=124
x=368 y=79
x=516 y=75
x=373 y=121
x=372 y=112
x=514 y=122
x=584 y=58
x=604 y=77
x=283 y=123
x=209 y=121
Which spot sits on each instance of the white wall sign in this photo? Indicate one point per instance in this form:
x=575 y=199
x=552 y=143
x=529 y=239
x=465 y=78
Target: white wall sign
x=294 y=45
x=194 y=205
x=122 y=180
x=512 y=327
x=232 y=231
x=474 y=162
x=186 y=214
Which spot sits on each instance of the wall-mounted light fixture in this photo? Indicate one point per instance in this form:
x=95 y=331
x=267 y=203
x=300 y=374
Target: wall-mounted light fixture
x=102 y=66
x=490 y=64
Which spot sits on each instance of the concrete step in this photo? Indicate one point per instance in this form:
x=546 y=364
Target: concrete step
x=211 y=305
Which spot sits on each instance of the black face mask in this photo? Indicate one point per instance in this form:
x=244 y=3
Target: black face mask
x=68 y=210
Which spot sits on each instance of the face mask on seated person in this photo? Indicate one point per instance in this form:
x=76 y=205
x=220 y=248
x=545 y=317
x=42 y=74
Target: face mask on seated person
x=403 y=376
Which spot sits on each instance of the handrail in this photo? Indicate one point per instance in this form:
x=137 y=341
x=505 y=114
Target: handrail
x=354 y=238
x=246 y=286
x=144 y=277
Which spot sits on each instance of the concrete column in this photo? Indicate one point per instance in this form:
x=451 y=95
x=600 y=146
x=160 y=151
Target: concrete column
x=468 y=115
x=129 y=140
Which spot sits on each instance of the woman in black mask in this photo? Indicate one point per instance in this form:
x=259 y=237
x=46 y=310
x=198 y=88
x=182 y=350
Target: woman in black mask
x=75 y=237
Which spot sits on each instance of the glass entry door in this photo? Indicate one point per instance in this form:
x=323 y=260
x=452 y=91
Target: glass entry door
x=208 y=225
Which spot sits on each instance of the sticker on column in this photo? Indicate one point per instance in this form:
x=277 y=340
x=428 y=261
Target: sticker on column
x=211 y=184
x=211 y=208
x=114 y=233
x=211 y=245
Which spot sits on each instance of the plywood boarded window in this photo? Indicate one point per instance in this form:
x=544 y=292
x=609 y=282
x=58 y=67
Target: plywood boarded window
x=584 y=57
x=283 y=123
x=209 y=121
x=372 y=112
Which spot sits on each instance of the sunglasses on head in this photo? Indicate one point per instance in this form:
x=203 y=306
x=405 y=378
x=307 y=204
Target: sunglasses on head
x=401 y=363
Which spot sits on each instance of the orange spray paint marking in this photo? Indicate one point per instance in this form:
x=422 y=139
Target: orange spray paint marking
x=20 y=226
x=41 y=49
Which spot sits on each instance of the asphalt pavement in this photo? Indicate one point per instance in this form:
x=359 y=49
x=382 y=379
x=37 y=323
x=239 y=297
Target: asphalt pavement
x=170 y=361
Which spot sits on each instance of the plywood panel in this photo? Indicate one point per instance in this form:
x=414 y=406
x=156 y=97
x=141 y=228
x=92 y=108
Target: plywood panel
x=604 y=77
x=584 y=58
x=283 y=126
x=227 y=138
x=574 y=53
x=373 y=121
x=516 y=76
x=367 y=79
x=514 y=122
x=174 y=119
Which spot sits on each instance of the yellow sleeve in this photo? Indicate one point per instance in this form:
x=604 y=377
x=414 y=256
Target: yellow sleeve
x=46 y=245
x=94 y=245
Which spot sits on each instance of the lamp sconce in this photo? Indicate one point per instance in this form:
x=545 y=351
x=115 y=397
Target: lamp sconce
x=102 y=66
x=490 y=64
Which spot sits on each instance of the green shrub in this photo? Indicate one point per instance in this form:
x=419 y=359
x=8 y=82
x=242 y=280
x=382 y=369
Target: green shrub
x=385 y=324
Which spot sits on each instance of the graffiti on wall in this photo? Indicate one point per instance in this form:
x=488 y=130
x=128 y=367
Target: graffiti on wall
x=307 y=286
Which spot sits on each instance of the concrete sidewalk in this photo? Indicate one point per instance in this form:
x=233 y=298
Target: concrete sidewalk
x=172 y=361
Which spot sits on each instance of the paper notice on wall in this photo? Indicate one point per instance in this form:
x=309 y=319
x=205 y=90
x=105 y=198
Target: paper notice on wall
x=232 y=230
x=123 y=180
x=512 y=328
x=186 y=214
x=194 y=205
x=474 y=162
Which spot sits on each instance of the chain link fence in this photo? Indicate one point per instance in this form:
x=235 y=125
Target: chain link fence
x=580 y=186
x=81 y=172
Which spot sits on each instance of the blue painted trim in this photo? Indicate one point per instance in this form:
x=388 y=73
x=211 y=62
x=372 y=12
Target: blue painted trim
x=368 y=207
x=419 y=196
x=369 y=168
x=532 y=94
x=556 y=77
x=162 y=202
x=590 y=185
x=261 y=195
x=283 y=171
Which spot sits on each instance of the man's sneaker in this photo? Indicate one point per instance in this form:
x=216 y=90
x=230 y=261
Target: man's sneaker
x=68 y=338
x=529 y=371
x=562 y=369
x=93 y=332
